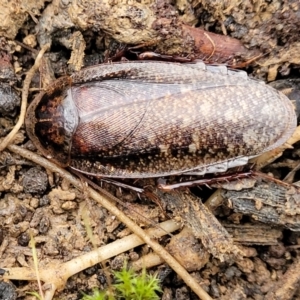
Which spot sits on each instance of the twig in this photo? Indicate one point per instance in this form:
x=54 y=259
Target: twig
x=213 y=45
x=25 y=89
x=36 y=264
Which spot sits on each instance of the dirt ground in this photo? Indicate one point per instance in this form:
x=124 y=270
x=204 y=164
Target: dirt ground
x=262 y=38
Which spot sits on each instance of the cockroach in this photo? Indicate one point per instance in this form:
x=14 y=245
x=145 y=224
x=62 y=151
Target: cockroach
x=153 y=119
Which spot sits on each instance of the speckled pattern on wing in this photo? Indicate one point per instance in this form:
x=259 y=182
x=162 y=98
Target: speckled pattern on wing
x=148 y=119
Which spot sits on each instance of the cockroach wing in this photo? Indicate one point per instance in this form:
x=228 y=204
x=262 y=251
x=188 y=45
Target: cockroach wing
x=148 y=127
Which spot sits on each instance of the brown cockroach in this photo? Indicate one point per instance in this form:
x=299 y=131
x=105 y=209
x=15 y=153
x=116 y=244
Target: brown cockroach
x=152 y=119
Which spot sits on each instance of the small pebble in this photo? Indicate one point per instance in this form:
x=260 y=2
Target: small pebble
x=35 y=181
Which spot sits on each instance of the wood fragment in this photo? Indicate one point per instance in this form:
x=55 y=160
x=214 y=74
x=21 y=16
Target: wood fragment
x=217 y=48
x=253 y=234
x=195 y=215
x=268 y=202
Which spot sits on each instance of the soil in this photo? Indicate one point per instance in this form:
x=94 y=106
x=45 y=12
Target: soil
x=260 y=36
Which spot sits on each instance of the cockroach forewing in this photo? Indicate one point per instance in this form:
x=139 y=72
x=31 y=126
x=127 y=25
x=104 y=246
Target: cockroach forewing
x=155 y=72
x=158 y=121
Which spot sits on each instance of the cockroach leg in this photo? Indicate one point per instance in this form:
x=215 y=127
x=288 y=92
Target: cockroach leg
x=290 y=176
x=155 y=198
x=206 y=181
x=123 y=185
x=270 y=178
x=149 y=55
x=226 y=178
x=244 y=64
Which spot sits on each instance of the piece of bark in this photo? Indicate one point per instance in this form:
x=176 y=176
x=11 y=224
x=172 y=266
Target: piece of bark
x=253 y=234
x=268 y=202
x=191 y=212
x=217 y=48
